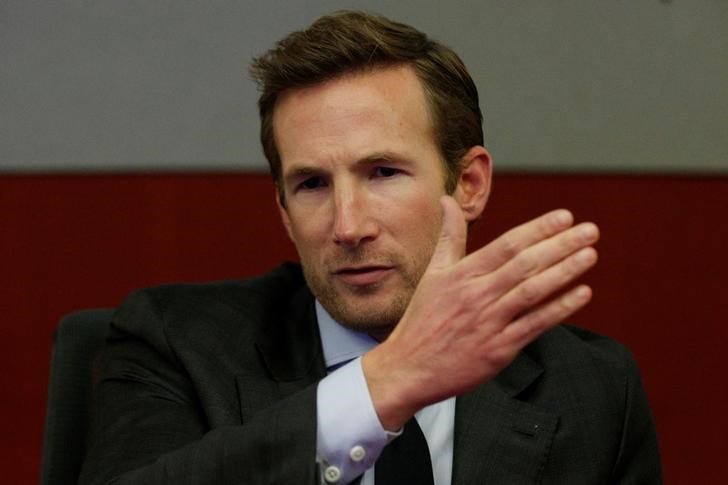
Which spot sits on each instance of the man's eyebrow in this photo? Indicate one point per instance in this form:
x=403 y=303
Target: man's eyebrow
x=299 y=171
x=376 y=157
x=382 y=157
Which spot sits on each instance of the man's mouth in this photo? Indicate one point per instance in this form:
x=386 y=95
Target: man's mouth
x=363 y=275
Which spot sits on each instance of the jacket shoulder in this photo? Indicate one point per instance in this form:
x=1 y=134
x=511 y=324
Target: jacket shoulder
x=247 y=304
x=566 y=344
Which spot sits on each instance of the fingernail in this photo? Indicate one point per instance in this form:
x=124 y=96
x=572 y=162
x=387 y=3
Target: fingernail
x=578 y=297
x=589 y=231
x=564 y=217
x=586 y=255
x=581 y=293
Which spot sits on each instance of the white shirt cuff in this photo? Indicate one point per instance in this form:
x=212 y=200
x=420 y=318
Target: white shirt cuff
x=350 y=437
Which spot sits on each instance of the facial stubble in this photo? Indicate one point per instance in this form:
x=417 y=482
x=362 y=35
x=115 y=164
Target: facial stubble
x=342 y=304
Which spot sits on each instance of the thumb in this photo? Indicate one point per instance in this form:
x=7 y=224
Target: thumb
x=453 y=234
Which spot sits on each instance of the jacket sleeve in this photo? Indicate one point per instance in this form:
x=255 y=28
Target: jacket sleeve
x=150 y=426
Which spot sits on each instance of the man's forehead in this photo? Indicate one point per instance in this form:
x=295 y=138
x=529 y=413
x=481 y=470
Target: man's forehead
x=383 y=81
x=391 y=98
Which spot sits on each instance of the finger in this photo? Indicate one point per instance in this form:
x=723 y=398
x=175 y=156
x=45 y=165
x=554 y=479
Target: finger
x=541 y=256
x=534 y=290
x=453 y=234
x=507 y=246
x=528 y=327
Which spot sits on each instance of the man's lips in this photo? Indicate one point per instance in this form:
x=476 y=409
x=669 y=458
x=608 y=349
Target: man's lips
x=362 y=275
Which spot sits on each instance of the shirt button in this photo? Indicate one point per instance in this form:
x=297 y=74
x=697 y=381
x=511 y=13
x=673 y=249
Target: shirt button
x=332 y=474
x=357 y=453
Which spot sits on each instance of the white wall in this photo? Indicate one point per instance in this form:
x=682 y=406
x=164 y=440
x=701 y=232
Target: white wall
x=580 y=85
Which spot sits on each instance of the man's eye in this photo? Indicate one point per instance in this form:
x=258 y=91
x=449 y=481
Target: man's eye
x=312 y=183
x=385 y=171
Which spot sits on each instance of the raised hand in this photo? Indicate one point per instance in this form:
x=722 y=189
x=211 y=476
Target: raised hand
x=471 y=315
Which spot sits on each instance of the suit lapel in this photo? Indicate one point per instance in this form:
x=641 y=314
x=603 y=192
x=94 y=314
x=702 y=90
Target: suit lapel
x=499 y=438
x=290 y=355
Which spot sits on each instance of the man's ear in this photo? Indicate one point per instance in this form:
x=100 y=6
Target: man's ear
x=473 y=187
x=284 y=214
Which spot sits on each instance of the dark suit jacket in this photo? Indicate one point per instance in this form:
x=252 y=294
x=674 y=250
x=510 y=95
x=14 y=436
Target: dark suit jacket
x=216 y=383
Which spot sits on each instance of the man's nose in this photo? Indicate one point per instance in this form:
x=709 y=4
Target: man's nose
x=353 y=221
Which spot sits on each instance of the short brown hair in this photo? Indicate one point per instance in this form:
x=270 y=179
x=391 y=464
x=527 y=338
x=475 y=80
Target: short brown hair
x=350 y=41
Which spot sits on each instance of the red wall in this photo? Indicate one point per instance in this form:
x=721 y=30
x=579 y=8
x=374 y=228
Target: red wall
x=71 y=242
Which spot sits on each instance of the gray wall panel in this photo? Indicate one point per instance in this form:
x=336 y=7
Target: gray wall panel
x=580 y=85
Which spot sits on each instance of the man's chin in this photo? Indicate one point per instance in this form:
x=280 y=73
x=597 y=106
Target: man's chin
x=365 y=316
x=372 y=308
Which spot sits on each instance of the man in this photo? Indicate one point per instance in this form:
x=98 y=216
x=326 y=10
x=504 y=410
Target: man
x=373 y=133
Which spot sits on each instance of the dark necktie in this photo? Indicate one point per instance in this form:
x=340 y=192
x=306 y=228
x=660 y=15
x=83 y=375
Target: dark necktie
x=406 y=460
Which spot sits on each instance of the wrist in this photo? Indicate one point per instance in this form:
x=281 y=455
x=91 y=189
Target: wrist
x=389 y=388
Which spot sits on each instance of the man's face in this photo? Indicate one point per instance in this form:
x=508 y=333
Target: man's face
x=362 y=178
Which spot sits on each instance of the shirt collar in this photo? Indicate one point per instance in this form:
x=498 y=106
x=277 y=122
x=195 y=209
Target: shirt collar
x=340 y=344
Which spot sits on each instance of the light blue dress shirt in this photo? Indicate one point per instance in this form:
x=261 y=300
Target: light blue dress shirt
x=350 y=437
